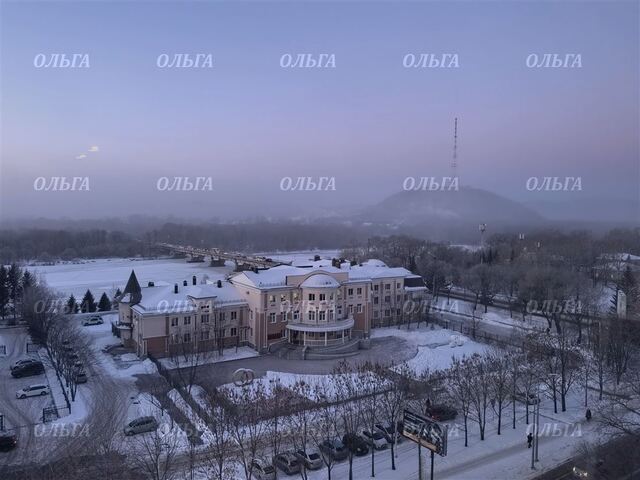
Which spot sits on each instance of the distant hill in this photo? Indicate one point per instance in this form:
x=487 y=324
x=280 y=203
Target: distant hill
x=465 y=206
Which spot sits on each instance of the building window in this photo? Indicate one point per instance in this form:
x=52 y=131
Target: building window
x=375 y=314
x=397 y=311
x=323 y=297
x=387 y=286
x=204 y=335
x=234 y=315
x=223 y=316
x=330 y=315
x=295 y=296
x=186 y=338
x=398 y=285
x=312 y=297
x=251 y=314
x=387 y=299
x=398 y=298
x=375 y=300
x=349 y=291
x=359 y=308
x=283 y=297
x=234 y=332
x=375 y=288
x=284 y=316
x=340 y=310
x=272 y=317
x=174 y=322
x=312 y=315
x=204 y=318
x=322 y=316
x=272 y=299
x=296 y=315
x=187 y=320
x=350 y=308
x=359 y=290
x=387 y=313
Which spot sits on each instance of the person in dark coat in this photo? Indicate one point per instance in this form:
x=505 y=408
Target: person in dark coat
x=529 y=440
x=588 y=415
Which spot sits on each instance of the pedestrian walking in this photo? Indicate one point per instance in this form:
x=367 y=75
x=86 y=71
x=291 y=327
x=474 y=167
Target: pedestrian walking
x=529 y=440
x=588 y=414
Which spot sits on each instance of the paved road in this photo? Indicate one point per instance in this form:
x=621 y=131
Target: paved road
x=389 y=349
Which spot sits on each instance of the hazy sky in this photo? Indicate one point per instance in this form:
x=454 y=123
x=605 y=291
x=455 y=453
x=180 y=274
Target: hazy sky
x=369 y=122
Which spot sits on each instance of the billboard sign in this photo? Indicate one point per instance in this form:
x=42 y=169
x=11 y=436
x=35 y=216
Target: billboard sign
x=425 y=431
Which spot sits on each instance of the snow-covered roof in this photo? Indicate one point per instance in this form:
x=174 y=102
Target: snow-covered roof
x=163 y=299
x=320 y=280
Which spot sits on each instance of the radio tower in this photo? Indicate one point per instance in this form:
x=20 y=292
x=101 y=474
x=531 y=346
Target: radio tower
x=454 y=160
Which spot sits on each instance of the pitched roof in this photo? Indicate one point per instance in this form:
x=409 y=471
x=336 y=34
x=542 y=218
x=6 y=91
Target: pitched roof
x=133 y=289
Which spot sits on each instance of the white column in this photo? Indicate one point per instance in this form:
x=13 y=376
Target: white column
x=342 y=336
x=325 y=339
x=304 y=338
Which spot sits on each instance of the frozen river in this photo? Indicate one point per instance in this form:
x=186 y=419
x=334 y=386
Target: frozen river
x=106 y=275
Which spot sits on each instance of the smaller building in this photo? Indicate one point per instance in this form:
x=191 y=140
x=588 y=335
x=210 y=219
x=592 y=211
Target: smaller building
x=173 y=319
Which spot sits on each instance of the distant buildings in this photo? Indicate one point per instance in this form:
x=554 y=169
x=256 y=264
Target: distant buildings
x=316 y=305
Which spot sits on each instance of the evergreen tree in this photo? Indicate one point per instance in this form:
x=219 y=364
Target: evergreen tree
x=104 y=305
x=27 y=279
x=14 y=276
x=88 y=303
x=4 y=290
x=72 y=305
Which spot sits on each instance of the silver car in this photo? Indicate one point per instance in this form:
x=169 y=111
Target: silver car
x=310 y=459
x=141 y=425
x=33 y=391
x=261 y=470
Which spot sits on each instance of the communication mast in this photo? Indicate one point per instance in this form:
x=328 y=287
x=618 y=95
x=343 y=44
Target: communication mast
x=454 y=160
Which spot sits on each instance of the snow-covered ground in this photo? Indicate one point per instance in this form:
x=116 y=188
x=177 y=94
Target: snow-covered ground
x=210 y=357
x=436 y=348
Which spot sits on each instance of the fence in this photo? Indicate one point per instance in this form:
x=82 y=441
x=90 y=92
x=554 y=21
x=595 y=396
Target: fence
x=54 y=413
x=3 y=349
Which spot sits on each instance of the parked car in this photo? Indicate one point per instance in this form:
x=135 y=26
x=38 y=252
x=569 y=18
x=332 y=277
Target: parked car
x=95 y=320
x=310 y=460
x=141 y=425
x=287 y=462
x=8 y=441
x=334 y=449
x=28 y=370
x=375 y=439
x=33 y=391
x=24 y=361
x=579 y=473
x=391 y=433
x=441 y=413
x=81 y=377
x=262 y=470
x=530 y=399
x=356 y=444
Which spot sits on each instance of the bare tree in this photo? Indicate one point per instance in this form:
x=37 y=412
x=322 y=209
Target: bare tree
x=302 y=420
x=459 y=388
x=219 y=452
x=155 y=453
x=480 y=391
x=247 y=424
x=326 y=419
x=500 y=383
x=347 y=402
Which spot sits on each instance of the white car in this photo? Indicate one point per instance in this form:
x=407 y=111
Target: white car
x=375 y=439
x=92 y=321
x=33 y=391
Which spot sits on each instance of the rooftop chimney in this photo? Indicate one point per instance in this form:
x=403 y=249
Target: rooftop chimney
x=193 y=280
x=184 y=283
x=151 y=284
x=219 y=283
x=175 y=288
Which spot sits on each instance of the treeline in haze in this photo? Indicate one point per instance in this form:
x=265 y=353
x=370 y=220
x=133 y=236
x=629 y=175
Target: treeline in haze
x=49 y=245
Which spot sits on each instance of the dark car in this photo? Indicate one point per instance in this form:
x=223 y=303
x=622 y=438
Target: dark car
x=28 y=370
x=441 y=413
x=287 y=462
x=23 y=362
x=334 y=449
x=356 y=444
x=8 y=441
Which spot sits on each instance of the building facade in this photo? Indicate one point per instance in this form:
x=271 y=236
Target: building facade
x=316 y=305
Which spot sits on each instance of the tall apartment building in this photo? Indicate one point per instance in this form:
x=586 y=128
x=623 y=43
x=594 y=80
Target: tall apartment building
x=314 y=305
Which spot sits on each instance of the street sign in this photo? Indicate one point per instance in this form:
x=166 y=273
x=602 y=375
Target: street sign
x=425 y=431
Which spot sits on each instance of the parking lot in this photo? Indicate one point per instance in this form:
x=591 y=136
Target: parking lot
x=20 y=415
